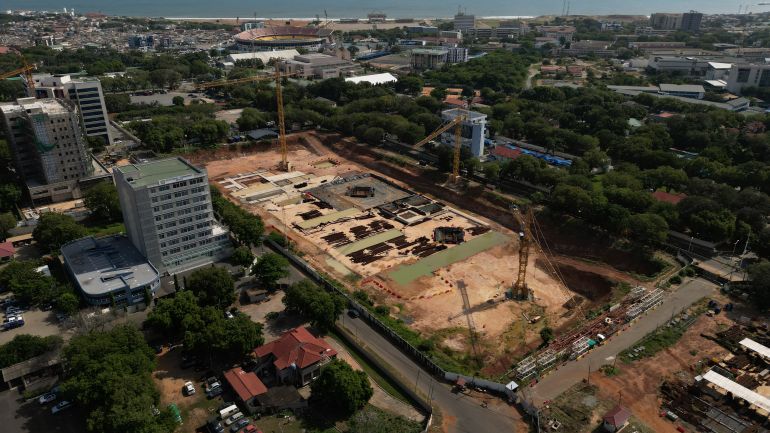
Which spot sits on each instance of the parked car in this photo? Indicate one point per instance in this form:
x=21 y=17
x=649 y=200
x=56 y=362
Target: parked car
x=233 y=418
x=16 y=323
x=215 y=426
x=241 y=423
x=214 y=391
x=251 y=429
x=62 y=405
x=47 y=398
x=189 y=389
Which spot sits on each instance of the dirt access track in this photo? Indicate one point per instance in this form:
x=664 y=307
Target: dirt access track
x=432 y=303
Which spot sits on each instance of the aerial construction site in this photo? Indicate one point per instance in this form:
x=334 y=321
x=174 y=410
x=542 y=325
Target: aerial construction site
x=445 y=271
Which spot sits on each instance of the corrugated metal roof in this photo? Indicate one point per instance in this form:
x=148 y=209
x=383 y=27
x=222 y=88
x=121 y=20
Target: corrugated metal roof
x=737 y=390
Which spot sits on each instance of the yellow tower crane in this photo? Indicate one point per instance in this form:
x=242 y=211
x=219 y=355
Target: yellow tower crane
x=284 y=165
x=520 y=289
x=457 y=123
x=26 y=71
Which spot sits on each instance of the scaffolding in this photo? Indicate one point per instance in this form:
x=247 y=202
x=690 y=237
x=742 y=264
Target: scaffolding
x=649 y=300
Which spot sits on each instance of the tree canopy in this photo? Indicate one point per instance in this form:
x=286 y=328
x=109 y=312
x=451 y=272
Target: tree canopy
x=269 y=268
x=316 y=304
x=102 y=200
x=24 y=346
x=108 y=374
x=55 y=229
x=213 y=286
x=340 y=389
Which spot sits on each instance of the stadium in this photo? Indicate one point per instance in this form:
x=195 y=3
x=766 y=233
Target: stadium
x=281 y=37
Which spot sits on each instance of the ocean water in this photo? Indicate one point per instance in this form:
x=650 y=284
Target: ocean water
x=359 y=8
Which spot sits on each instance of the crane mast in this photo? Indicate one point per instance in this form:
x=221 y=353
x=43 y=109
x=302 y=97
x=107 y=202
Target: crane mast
x=284 y=165
x=520 y=289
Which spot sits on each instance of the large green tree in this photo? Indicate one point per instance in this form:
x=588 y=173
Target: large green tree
x=341 y=390
x=55 y=229
x=213 y=286
x=759 y=275
x=269 y=268
x=316 y=304
x=102 y=200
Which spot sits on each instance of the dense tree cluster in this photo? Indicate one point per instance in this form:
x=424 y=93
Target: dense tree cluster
x=54 y=230
x=109 y=375
x=204 y=328
x=32 y=287
x=167 y=132
x=318 y=305
x=247 y=228
x=24 y=346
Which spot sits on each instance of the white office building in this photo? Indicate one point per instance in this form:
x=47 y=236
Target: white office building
x=747 y=75
x=86 y=93
x=168 y=214
x=473 y=132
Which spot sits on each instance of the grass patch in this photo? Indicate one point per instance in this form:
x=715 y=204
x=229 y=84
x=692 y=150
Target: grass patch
x=383 y=381
x=98 y=231
x=663 y=337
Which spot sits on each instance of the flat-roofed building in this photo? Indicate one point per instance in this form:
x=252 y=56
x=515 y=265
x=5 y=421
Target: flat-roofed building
x=110 y=270
x=695 y=91
x=48 y=146
x=424 y=58
x=86 y=93
x=473 y=133
x=168 y=215
x=316 y=65
x=747 y=75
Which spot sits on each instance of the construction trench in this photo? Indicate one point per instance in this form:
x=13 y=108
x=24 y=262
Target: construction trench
x=410 y=247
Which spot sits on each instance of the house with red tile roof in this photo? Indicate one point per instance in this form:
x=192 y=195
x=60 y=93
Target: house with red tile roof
x=296 y=357
x=246 y=385
x=7 y=250
x=668 y=197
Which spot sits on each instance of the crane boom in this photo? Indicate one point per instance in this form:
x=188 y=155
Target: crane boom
x=441 y=129
x=25 y=70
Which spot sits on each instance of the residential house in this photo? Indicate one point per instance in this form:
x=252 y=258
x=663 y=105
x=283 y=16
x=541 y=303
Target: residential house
x=616 y=419
x=246 y=385
x=294 y=358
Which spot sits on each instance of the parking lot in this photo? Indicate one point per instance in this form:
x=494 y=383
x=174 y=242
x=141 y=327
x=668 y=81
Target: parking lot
x=36 y=322
x=19 y=416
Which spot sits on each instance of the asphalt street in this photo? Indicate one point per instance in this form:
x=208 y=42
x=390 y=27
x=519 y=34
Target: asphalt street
x=573 y=372
x=461 y=414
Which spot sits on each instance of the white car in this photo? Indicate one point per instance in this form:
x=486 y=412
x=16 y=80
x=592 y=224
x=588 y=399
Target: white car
x=60 y=406
x=47 y=398
x=189 y=389
x=233 y=418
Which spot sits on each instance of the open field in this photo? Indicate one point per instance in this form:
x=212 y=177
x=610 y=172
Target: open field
x=350 y=220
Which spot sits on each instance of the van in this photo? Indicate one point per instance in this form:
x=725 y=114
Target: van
x=229 y=410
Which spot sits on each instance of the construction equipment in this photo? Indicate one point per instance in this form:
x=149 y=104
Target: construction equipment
x=284 y=165
x=26 y=71
x=520 y=290
x=457 y=122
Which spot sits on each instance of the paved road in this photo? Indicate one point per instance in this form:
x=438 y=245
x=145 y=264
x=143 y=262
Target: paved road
x=462 y=414
x=573 y=372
